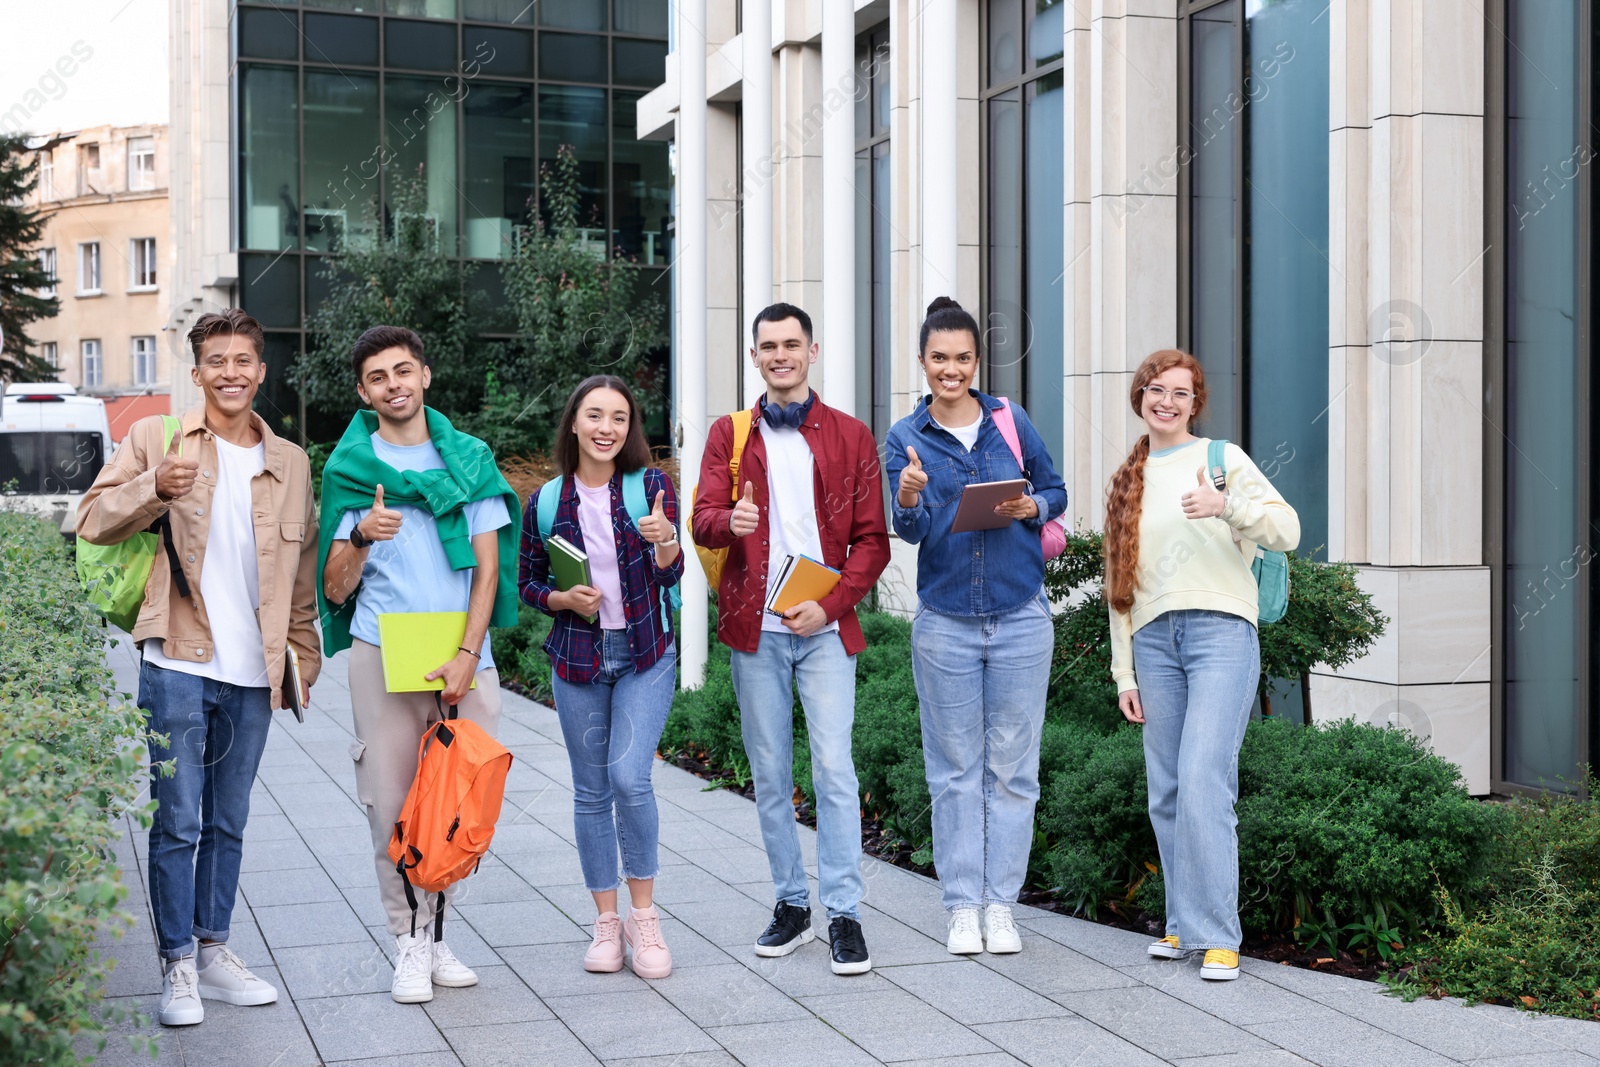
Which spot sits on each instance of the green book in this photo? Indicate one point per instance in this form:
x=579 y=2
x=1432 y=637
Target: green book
x=569 y=566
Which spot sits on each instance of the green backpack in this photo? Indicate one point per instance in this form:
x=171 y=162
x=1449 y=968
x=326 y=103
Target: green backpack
x=1271 y=569
x=114 y=576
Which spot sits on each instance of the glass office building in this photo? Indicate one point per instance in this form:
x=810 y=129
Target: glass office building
x=341 y=106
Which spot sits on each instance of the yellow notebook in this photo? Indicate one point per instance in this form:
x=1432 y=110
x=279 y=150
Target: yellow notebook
x=800 y=579
x=417 y=643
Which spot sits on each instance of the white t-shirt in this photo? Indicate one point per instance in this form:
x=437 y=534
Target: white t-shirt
x=791 y=510
x=230 y=581
x=967 y=435
x=600 y=543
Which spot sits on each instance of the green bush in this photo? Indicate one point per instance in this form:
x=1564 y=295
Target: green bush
x=520 y=656
x=67 y=772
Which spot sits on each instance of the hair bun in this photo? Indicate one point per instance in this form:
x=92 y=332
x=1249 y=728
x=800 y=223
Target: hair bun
x=942 y=303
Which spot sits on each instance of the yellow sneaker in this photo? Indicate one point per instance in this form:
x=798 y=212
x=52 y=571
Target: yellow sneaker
x=1221 y=965
x=1167 y=948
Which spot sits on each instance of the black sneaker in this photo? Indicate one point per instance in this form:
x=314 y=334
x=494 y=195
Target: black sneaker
x=790 y=928
x=849 y=948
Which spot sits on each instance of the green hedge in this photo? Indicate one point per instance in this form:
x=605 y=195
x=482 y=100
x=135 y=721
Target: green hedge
x=67 y=770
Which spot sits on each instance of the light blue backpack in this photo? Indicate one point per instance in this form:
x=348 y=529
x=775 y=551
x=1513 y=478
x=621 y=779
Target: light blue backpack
x=638 y=506
x=1270 y=568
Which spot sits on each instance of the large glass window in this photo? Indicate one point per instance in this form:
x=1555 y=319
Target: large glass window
x=499 y=166
x=1024 y=217
x=576 y=117
x=420 y=135
x=641 y=189
x=342 y=159
x=1257 y=206
x=269 y=159
x=873 y=348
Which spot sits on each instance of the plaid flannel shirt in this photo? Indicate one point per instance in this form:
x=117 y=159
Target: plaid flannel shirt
x=574 y=643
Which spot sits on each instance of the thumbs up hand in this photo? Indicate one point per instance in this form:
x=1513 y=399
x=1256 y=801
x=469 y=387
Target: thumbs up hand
x=175 y=476
x=381 y=523
x=913 y=480
x=654 y=527
x=746 y=514
x=1204 y=501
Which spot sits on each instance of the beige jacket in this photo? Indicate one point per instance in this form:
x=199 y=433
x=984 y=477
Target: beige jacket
x=122 y=502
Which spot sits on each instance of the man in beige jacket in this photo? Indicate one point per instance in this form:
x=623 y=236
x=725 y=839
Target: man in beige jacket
x=213 y=635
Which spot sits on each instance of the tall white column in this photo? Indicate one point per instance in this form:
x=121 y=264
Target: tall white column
x=758 y=167
x=689 y=279
x=838 y=325
x=939 y=51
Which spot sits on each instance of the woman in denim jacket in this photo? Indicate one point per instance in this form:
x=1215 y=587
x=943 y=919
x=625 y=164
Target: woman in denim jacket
x=982 y=640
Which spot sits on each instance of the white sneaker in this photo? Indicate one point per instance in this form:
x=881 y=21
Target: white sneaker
x=449 y=971
x=964 y=939
x=180 y=995
x=999 y=931
x=227 y=979
x=413 y=966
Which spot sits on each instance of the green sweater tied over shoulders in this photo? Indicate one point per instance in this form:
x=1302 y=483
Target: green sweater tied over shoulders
x=352 y=475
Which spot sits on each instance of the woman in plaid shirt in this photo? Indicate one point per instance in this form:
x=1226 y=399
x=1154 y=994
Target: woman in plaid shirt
x=615 y=676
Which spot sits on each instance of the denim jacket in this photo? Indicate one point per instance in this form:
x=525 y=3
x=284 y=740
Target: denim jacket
x=981 y=572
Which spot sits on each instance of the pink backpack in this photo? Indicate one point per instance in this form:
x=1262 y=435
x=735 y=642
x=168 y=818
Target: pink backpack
x=1053 y=537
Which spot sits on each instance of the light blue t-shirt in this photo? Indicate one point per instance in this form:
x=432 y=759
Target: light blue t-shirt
x=412 y=572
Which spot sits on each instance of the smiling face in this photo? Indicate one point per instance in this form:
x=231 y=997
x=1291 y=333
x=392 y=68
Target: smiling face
x=229 y=372
x=783 y=357
x=1163 y=411
x=951 y=363
x=392 y=382
x=601 y=424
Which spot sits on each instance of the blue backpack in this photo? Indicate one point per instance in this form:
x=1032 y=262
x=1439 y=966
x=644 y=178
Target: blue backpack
x=633 y=499
x=1271 y=569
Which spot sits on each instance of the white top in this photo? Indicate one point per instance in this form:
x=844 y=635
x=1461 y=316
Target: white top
x=791 y=510
x=230 y=582
x=600 y=542
x=968 y=434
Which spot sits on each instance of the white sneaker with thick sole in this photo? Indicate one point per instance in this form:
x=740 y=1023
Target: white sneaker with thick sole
x=1000 y=935
x=227 y=979
x=413 y=969
x=449 y=971
x=180 y=994
x=965 y=938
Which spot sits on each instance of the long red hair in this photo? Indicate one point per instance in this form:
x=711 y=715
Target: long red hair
x=1125 y=494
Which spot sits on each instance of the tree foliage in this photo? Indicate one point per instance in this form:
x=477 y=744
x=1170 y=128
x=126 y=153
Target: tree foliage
x=20 y=275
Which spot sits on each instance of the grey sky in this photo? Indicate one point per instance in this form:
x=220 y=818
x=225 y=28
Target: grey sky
x=116 y=52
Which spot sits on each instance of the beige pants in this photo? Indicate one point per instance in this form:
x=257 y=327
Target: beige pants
x=388 y=728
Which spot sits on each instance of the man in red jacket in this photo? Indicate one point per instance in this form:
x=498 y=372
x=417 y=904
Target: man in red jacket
x=809 y=485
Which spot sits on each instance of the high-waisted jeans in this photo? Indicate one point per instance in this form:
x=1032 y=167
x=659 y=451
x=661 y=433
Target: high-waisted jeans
x=1197 y=673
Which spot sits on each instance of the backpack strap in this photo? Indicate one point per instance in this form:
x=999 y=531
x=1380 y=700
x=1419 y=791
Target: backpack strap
x=549 y=500
x=170 y=428
x=1216 y=463
x=1006 y=423
x=741 y=437
x=638 y=506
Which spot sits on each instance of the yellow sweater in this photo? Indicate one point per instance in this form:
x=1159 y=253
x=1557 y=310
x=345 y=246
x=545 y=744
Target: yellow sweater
x=1196 y=563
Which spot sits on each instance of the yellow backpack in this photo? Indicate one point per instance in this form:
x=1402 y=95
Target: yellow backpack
x=712 y=559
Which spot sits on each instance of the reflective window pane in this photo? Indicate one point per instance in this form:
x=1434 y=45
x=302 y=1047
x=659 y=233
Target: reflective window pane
x=498 y=53
x=420 y=176
x=1005 y=330
x=577 y=118
x=1215 y=222
x=1047 y=28
x=370 y=7
x=269 y=289
x=431 y=9
x=519 y=12
x=277 y=402
x=499 y=166
x=269 y=159
x=269 y=34
x=1005 y=40
x=645 y=17
x=1045 y=262
x=573 y=14
x=343 y=158
x=569 y=57
x=639 y=62
x=641 y=189
x=341 y=39
x=420 y=45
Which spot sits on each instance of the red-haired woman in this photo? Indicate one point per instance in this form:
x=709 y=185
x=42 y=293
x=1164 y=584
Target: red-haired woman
x=1183 y=643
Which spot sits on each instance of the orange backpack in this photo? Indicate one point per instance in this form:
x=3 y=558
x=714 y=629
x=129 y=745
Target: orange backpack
x=448 y=819
x=712 y=559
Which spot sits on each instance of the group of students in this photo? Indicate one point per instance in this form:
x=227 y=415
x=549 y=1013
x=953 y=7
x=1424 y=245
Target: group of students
x=415 y=516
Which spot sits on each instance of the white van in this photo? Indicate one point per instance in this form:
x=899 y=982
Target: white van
x=53 y=443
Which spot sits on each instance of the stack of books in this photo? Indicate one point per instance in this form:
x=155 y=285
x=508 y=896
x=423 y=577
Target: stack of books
x=800 y=579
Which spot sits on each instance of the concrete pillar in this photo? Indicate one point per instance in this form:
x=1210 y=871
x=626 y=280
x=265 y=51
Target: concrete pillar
x=689 y=280
x=758 y=169
x=939 y=202
x=838 y=325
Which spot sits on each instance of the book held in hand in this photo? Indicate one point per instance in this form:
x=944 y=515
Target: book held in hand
x=800 y=579
x=414 y=644
x=569 y=566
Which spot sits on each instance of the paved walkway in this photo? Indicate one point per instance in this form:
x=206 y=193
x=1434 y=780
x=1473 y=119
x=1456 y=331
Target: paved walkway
x=1079 y=994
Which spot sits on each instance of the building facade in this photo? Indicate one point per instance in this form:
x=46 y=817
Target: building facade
x=307 y=129
x=102 y=193
x=1370 y=220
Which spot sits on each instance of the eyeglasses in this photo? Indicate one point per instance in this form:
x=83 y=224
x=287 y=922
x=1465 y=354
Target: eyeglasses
x=1161 y=392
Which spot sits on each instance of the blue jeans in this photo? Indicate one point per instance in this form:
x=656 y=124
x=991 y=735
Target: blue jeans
x=612 y=726
x=1197 y=673
x=764 y=682
x=215 y=735
x=981 y=681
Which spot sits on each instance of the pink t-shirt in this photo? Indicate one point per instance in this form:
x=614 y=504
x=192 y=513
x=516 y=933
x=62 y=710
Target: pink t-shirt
x=600 y=542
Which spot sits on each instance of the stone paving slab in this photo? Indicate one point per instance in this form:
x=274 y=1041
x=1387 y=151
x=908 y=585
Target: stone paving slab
x=308 y=919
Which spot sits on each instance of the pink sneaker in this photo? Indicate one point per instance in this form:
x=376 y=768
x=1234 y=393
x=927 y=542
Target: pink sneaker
x=651 y=957
x=605 y=952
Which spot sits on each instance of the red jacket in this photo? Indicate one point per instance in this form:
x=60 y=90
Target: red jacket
x=849 y=496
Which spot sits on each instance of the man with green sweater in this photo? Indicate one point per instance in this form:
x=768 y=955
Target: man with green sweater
x=415 y=517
